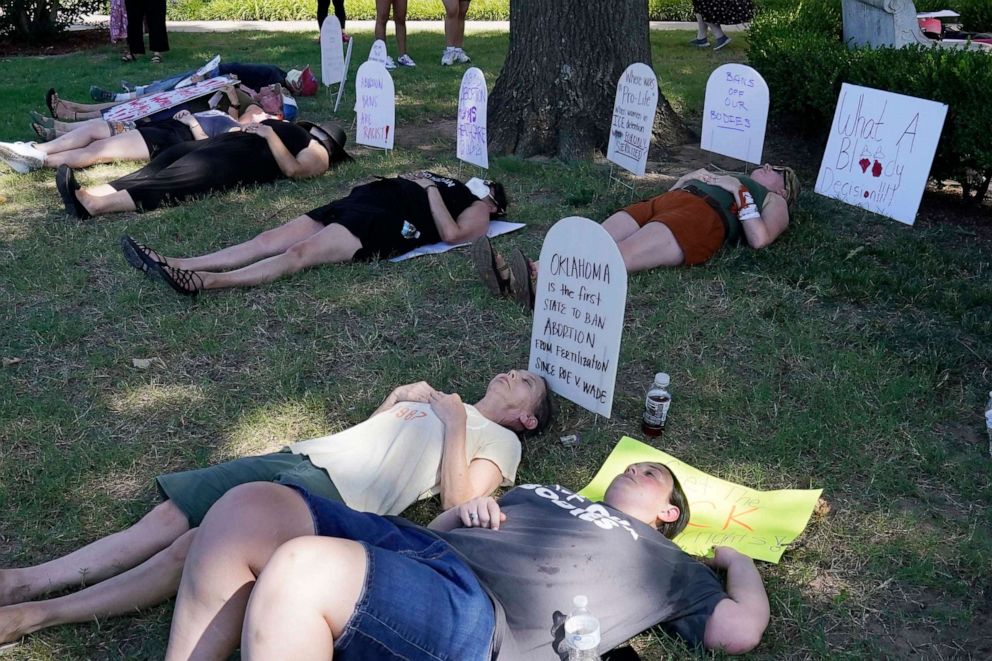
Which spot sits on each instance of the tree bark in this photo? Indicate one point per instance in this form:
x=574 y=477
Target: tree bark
x=555 y=94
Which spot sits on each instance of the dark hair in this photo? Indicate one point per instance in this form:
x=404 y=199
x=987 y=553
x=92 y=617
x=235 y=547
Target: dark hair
x=499 y=197
x=672 y=528
x=544 y=412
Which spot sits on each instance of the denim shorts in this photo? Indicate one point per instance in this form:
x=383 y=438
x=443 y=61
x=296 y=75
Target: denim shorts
x=419 y=600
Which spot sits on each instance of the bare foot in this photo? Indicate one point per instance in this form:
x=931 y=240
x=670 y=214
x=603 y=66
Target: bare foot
x=17 y=622
x=12 y=591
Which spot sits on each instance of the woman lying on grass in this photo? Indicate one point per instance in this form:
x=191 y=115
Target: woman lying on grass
x=377 y=220
x=685 y=226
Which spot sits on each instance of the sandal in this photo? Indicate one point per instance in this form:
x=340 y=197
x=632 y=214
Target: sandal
x=492 y=270
x=51 y=98
x=40 y=119
x=140 y=256
x=44 y=133
x=522 y=284
x=127 y=56
x=187 y=283
x=65 y=182
x=156 y=58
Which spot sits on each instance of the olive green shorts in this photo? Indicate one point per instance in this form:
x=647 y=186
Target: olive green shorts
x=195 y=491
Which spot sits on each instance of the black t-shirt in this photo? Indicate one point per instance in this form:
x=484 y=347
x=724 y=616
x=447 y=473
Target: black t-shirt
x=254 y=76
x=556 y=544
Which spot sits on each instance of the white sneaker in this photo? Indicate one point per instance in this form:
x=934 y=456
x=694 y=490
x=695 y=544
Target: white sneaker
x=389 y=64
x=461 y=57
x=448 y=57
x=22 y=157
x=406 y=60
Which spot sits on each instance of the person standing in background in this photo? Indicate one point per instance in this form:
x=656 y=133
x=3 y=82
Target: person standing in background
x=338 y=11
x=158 y=39
x=454 y=32
x=382 y=8
x=118 y=21
x=710 y=14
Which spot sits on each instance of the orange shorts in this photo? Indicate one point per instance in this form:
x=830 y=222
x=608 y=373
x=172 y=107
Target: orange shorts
x=696 y=226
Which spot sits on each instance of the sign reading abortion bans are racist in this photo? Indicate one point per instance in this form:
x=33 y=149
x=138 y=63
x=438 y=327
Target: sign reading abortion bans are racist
x=578 y=313
x=375 y=104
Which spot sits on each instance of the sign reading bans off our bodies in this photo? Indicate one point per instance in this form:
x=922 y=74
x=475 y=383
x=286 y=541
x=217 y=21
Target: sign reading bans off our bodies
x=735 y=113
x=880 y=150
x=579 y=304
x=633 y=117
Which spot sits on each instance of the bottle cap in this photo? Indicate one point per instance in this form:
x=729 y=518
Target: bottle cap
x=580 y=601
x=661 y=379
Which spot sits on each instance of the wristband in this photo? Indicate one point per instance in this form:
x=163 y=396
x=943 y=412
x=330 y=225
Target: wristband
x=749 y=212
x=744 y=197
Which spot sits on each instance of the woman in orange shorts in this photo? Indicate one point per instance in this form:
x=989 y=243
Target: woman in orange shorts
x=686 y=225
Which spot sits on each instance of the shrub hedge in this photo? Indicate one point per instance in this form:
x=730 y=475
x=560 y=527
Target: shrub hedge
x=802 y=58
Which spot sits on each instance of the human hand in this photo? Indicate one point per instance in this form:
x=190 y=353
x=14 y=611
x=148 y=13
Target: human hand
x=262 y=130
x=184 y=116
x=449 y=409
x=421 y=391
x=724 y=557
x=481 y=512
x=196 y=77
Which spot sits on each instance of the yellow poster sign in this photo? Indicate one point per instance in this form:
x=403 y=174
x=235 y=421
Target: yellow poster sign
x=760 y=524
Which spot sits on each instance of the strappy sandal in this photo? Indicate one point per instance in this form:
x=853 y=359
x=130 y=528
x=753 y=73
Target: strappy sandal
x=492 y=270
x=140 y=256
x=156 y=58
x=521 y=282
x=65 y=182
x=185 y=282
x=51 y=97
x=44 y=134
x=38 y=118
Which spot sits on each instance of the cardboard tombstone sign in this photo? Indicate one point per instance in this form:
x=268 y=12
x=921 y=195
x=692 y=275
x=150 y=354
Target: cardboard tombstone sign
x=580 y=297
x=331 y=52
x=153 y=103
x=633 y=117
x=473 y=145
x=375 y=105
x=378 y=52
x=202 y=71
x=880 y=150
x=735 y=113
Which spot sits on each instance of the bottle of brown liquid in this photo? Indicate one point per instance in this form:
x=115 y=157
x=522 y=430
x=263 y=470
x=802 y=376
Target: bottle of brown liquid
x=656 y=406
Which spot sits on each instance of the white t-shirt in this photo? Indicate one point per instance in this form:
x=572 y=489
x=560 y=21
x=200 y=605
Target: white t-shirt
x=393 y=459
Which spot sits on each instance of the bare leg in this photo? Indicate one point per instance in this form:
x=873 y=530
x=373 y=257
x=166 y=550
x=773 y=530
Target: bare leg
x=271 y=242
x=150 y=583
x=716 y=30
x=451 y=11
x=700 y=27
x=650 y=246
x=399 y=22
x=304 y=599
x=462 y=13
x=80 y=136
x=99 y=560
x=330 y=245
x=128 y=146
x=103 y=199
x=620 y=226
x=238 y=536
x=381 y=17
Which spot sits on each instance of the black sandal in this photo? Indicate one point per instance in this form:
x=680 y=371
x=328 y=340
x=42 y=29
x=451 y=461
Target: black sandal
x=185 y=282
x=521 y=283
x=495 y=278
x=140 y=256
x=65 y=182
x=50 y=97
x=127 y=56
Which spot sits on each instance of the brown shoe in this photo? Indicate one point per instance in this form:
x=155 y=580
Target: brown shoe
x=522 y=282
x=492 y=270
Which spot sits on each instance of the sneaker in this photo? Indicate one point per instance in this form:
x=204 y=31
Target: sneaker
x=406 y=60
x=389 y=64
x=448 y=58
x=461 y=57
x=128 y=86
x=101 y=95
x=721 y=42
x=702 y=42
x=22 y=157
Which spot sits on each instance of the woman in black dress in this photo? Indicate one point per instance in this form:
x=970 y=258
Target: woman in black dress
x=259 y=153
x=711 y=14
x=377 y=220
x=138 y=11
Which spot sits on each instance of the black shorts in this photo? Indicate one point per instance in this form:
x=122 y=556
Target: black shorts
x=161 y=135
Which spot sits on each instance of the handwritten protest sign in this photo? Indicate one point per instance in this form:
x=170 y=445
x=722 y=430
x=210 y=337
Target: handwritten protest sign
x=578 y=313
x=473 y=145
x=376 y=106
x=153 y=103
x=633 y=117
x=880 y=150
x=331 y=52
x=378 y=52
x=735 y=113
x=760 y=524
x=208 y=68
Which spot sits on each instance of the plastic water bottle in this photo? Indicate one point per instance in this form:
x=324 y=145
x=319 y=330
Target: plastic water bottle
x=988 y=421
x=582 y=632
x=656 y=406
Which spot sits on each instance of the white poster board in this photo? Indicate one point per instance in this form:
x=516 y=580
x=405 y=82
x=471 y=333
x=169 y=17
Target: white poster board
x=633 y=117
x=473 y=99
x=735 y=113
x=202 y=71
x=578 y=313
x=880 y=150
x=375 y=104
x=378 y=52
x=331 y=52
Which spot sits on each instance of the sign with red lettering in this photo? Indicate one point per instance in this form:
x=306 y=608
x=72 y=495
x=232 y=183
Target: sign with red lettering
x=375 y=105
x=473 y=101
x=735 y=113
x=633 y=118
x=880 y=150
x=580 y=298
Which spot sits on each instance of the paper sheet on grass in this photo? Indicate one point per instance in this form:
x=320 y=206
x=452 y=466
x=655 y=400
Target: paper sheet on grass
x=496 y=227
x=760 y=524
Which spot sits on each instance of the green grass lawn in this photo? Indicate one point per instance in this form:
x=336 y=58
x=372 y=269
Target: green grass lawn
x=853 y=355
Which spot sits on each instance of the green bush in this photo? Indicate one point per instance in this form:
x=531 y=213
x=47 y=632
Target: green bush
x=801 y=56
x=34 y=19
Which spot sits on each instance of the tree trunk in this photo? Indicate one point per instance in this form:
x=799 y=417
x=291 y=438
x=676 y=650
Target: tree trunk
x=555 y=94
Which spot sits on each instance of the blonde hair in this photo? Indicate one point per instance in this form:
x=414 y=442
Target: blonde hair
x=792 y=185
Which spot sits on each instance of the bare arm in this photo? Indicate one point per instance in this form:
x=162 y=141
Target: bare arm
x=460 y=480
x=772 y=220
x=471 y=223
x=421 y=391
x=312 y=160
x=187 y=118
x=695 y=174
x=737 y=623
x=483 y=512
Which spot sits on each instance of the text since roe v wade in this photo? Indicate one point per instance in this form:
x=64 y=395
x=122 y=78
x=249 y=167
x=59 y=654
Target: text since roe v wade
x=578 y=313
